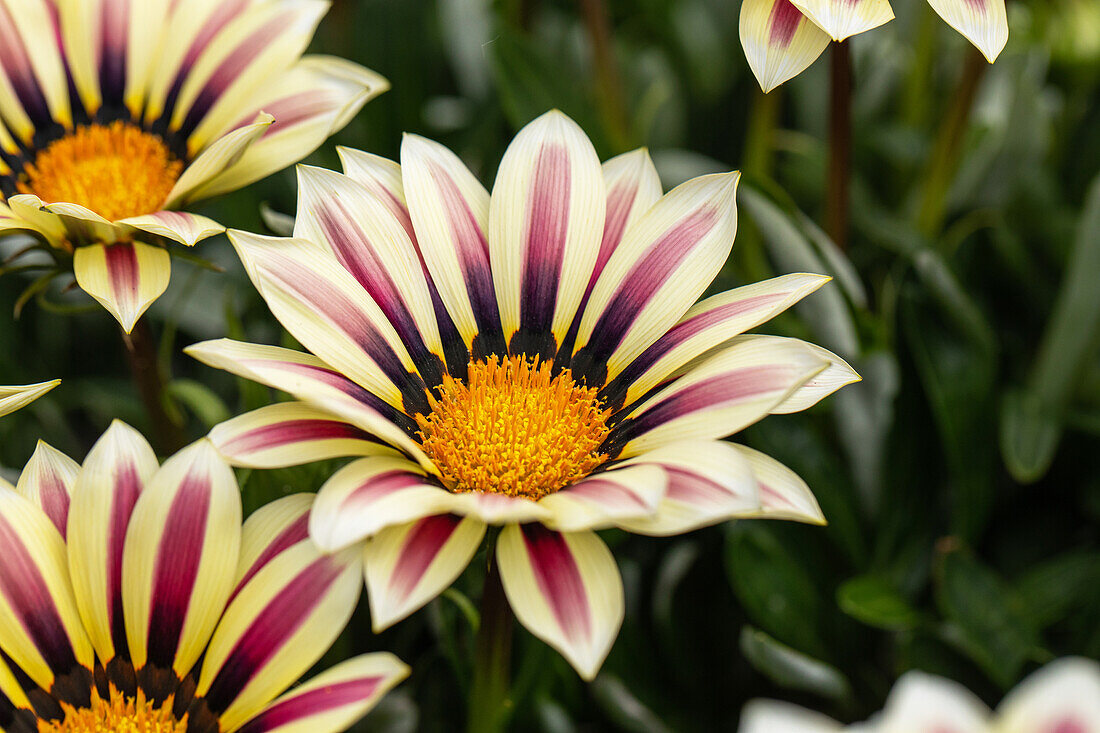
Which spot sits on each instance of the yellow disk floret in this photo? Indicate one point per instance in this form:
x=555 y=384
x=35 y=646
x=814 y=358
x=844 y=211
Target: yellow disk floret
x=514 y=428
x=116 y=170
x=119 y=714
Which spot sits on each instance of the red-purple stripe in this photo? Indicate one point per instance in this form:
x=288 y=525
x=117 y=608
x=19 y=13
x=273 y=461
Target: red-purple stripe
x=546 y=226
x=559 y=579
x=32 y=606
x=421 y=546
x=114 y=27
x=177 y=566
x=606 y=492
x=691 y=488
x=17 y=65
x=772 y=498
x=127 y=489
x=271 y=629
x=314 y=702
x=122 y=269
x=380 y=486
x=292 y=431
x=1068 y=725
x=54 y=500
x=784 y=21
x=295 y=532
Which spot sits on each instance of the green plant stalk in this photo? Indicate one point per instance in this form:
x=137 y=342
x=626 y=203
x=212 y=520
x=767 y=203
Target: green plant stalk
x=609 y=95
x=917 y=86
x=760 y=136
x=839 y=174
x=141 y=352
x=944 y=160
x=490 y=705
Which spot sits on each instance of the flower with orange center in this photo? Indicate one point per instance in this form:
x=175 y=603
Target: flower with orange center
x=781 y=38
x=106 y=133
x=531 y=359
x=133 y=600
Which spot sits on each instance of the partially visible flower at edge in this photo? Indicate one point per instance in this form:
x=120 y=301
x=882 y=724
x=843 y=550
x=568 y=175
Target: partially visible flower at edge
x=531 y=359
x=15 y=398
x=781 y=38
x=114 y=115
x=132 y=598
x=1062 y=697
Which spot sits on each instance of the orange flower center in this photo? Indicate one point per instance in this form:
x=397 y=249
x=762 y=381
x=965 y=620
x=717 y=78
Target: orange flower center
x=116 y=170
x=513 y=428
x=119 y=714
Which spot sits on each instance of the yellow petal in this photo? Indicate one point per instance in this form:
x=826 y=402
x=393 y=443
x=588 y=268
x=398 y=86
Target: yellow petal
x=125 y=278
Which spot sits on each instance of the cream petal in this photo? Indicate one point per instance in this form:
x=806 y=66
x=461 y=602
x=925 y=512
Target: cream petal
x=48 y=480
x=844 y=18
x=125 y=278
x=779 y=41
x=982 y=22
x=15 y=398
x=607 y=499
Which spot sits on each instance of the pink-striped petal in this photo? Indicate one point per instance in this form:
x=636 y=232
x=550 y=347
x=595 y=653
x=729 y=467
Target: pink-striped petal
x=836 y=375
x=179 y=226
x=498 y=509
x=844 y=18
x=724 y=394
x=329 y=312
x=271 y=530
x=546 y=218
x=371 y=244
x=666 y=260
x=633 y=188
x=923 y=702
x=180 y=558
x=16 y=398
x=565 y=589
x=290 y=434
x=783 y=494
x=982 y=22
x=607 y=499
x=125 y=278
x=276 y=628
x=707 y=325
x=334 y=700
x=779 y=41
x=112 y=478
x=450 y=211
x=708 y=482
x=48 y=480
x=313 y=381
x=1062 y=697
x=41 y=633
x=370 y=494
x=215 y=160
x=31 y=62
x=410 y=564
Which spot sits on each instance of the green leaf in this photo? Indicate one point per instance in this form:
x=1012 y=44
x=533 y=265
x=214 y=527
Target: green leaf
x=874 y=601
x=1052 y=589
x=990 y=621
x=791 y=669
x=1029 y=436
x=624 y=708
x=200 y=400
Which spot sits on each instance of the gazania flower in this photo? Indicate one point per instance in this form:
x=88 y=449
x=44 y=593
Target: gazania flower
x=782 y=38
x=1063 y=697
x=115 y=114
x=530 y=359
x=132 y=599
x=14 y=398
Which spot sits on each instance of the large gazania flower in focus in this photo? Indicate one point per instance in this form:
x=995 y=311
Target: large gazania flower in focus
x=132 y=599
x=781 y=38
x=115 y=114
x=1062 y=697
x=530 y=359
x=15 y=398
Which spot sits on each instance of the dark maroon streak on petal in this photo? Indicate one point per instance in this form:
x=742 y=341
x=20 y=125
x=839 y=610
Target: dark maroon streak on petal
x=545 y=227
x=422 y=544
x=17 y=66
x=177 y=567
x=605 y=492
x=126 y=492
x=683 y=331
x=645 y=278
x=55 y=501
x=122 y=269
x=559 y=579
x=712 y=393
x=32 y=607
x=114 y=24
x=271 y=629
x=378 y=486
x=323 y=699
x=297 y=531
x=292 y=431
x=784 y=22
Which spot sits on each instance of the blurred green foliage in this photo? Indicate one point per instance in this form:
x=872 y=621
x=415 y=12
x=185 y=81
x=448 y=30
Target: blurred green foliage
x=960 y=478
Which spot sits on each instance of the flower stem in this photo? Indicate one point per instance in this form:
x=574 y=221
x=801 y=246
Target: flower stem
x=840 y=145
x=490 y=706
x=142 y=354
x=944 y=160
x=608 y=84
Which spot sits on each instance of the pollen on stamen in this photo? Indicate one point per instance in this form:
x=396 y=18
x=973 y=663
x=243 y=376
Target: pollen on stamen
x=116 y=170
x=117 y=714
x=514 y=428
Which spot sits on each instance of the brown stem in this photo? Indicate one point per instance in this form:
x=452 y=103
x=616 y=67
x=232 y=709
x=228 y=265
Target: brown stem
x=142 y=354
x=840 y=145
x=489 y=706
x=610 y=98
